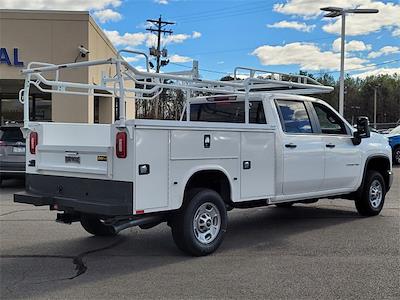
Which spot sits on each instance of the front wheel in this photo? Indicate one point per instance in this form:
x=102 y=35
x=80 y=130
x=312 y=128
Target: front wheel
x=199 y=227
x=95 y=226
x=372 y=197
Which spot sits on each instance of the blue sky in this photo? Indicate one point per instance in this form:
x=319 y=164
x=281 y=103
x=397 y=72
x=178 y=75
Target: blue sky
x=280 y=35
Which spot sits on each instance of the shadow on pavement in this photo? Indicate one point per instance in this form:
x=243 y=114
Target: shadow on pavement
x=263 y=229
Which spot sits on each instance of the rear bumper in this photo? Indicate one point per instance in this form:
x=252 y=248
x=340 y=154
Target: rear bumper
x=12 y=169
x=81 y=195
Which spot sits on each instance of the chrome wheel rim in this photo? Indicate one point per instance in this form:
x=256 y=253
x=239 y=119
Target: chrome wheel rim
x=206 y=223
x=375 y=193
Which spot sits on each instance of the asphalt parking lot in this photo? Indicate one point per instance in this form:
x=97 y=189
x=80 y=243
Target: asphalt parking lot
x=322 y=250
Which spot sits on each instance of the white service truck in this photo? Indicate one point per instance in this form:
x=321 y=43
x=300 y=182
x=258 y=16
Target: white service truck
x=239 y=144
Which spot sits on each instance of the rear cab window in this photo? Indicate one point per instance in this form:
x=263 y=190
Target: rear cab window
x=227 y=112
x=294 y=116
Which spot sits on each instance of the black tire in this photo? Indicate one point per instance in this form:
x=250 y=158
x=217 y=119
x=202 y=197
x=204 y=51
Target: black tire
x=396 y=156
x=366 y=203
x=93 y=225
x=284 y=205
x=186 y=236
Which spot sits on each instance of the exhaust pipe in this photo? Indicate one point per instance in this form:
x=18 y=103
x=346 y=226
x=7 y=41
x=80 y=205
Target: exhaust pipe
x=143 y=221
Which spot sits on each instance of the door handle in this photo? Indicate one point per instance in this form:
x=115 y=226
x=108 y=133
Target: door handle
x=330 y=145
x=291 y=145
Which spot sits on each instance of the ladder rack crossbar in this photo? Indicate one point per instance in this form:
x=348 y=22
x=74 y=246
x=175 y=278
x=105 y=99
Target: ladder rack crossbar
x=148 y=85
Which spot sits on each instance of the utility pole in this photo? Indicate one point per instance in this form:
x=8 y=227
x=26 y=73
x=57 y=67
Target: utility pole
x=160 y=24
x=159 y=29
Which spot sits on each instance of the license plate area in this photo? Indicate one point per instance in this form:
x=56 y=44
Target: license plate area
x=18 y=149
x=72 y=159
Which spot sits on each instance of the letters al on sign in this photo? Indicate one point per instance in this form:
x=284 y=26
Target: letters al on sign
x=5 y=58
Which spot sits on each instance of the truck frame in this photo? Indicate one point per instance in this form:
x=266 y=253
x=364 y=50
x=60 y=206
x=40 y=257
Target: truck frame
x=238 y=144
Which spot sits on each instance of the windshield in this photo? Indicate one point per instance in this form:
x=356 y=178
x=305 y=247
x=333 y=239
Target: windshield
x=396 y=130
x=11 y=134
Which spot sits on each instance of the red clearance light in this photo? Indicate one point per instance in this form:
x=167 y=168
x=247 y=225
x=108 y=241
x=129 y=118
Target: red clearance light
x=33 y=141
x=140 y=212
x=120 y=145
x=224 y=98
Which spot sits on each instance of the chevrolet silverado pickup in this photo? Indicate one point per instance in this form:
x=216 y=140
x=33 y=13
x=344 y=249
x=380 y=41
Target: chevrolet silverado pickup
x=242 y=143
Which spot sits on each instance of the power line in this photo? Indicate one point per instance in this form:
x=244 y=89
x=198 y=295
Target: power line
x=250 y=48
x=205 y=70
x=354 y=69
x=216 y=11
x=360 y=68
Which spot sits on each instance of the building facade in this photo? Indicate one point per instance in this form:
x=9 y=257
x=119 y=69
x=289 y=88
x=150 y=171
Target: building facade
x=54 y=37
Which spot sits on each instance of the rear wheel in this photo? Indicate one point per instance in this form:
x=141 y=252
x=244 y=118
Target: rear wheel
x=95 y=226
x=396 y=155
x=198 y=228
x=371 y=200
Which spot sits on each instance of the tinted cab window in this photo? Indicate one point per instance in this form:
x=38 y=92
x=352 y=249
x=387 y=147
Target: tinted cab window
x=294 y=116
x=329 y=122
x=227 y=112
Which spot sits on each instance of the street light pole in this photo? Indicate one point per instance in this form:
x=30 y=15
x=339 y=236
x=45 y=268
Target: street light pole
x=334 y=12
x=342 y=54
x=375 y=106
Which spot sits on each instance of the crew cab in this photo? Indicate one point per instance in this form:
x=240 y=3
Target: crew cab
x=241 y=144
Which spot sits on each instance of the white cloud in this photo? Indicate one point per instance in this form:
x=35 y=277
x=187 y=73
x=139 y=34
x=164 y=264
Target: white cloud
x=381 y=71
x=179 y=59
x=107 y=15
x=130 y=59
x=396 y=32
x=196 y=34
x=292 y=25
x=384 y=51
x=60 y=4
x=308 y=56
x=359 y=24
x=127 y=39
x=149 y=39
x=351 y=46
x=221 y=62
x=165 y=2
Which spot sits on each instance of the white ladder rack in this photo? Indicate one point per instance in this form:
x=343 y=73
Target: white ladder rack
x=149 y=85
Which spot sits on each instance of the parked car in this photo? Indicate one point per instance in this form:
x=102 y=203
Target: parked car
x=12 y=152
x=394 y=141
x=269 y=146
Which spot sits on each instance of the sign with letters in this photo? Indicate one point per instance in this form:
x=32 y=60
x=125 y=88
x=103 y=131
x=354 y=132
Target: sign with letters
x=11 y=60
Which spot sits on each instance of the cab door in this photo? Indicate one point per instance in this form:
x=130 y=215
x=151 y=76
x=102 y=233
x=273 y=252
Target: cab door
x=342 y=158
x=303 y=150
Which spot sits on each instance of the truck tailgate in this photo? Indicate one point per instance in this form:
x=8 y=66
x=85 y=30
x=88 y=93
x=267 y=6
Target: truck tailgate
x=77 y=159
x=78 y=150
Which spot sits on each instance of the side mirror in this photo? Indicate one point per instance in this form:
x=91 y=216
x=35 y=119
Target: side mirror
x=363 y=130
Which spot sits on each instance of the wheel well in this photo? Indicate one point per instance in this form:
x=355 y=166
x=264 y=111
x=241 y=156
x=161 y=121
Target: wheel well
x=211 y=179
x=380 y=164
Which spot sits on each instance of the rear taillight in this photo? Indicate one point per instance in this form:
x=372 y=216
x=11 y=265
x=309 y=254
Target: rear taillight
x=33 y=141
x=120 y=145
